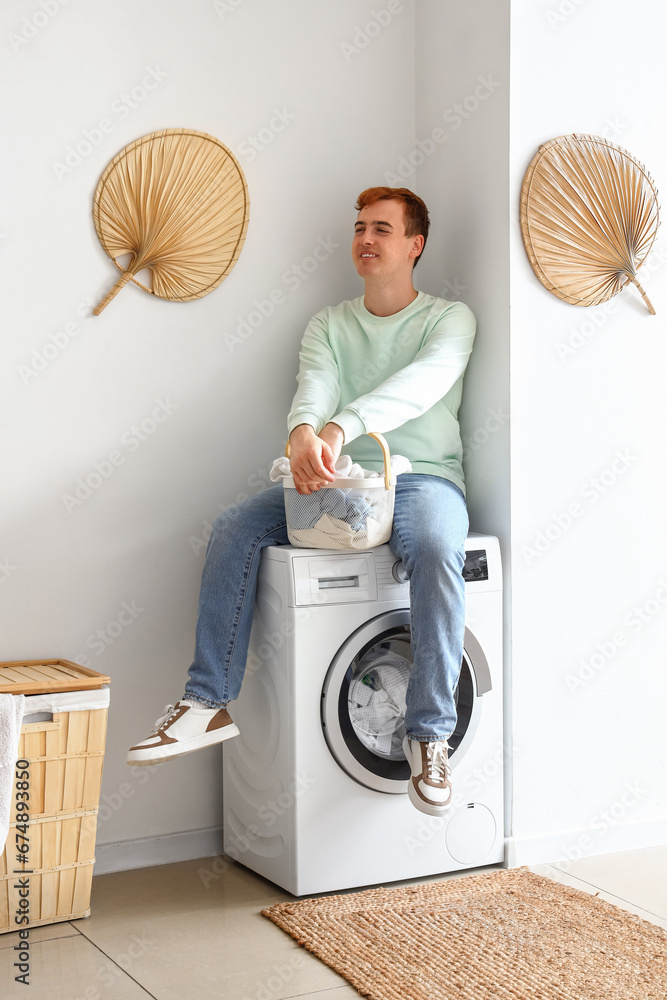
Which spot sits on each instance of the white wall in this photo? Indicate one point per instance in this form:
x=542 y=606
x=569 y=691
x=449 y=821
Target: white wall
x=463 y=100
x=222 y=69
x=465 y=184
x=589 y=761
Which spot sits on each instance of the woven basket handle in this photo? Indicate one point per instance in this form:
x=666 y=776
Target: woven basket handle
x=389 y=480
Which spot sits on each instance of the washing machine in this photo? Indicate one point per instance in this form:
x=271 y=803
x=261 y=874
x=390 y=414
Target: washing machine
x=315 y=787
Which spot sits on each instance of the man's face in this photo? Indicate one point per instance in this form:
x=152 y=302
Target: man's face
x=380 y=247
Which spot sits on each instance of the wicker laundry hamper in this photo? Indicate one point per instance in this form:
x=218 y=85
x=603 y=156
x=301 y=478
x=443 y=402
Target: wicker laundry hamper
x=46 y=869
x=348 y=514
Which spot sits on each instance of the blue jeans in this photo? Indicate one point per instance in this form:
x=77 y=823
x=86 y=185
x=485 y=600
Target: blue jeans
x=429 y=533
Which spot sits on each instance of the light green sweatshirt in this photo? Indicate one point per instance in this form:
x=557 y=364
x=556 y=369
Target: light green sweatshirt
x=400 y=375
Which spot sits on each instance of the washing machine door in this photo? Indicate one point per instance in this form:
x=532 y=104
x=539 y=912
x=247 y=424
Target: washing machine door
x=363 y=701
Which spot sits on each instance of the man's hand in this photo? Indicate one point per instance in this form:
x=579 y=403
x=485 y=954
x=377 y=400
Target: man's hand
x=333 y=435
x=312 y=457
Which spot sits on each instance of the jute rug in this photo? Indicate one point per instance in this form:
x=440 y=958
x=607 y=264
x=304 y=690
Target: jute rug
x=502 y=935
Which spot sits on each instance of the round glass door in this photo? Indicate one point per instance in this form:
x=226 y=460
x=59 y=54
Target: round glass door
x=363 y=703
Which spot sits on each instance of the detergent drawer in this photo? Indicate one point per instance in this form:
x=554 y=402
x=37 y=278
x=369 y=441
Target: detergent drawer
x=341 y=578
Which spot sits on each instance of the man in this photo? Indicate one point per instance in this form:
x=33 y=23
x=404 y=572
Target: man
x=391 y=361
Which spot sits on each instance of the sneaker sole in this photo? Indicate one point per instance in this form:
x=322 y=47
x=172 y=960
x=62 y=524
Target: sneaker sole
x=425 y=807
x=170 y=750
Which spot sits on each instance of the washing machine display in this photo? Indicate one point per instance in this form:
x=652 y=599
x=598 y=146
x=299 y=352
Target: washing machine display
x=318 y=768
x=476 y=566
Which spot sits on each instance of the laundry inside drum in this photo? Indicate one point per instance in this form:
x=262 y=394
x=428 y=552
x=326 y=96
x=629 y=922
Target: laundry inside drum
x=376 y=696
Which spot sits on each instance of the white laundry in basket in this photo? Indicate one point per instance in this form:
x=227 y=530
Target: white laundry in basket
x=338 y=518
x=349 y=513
x=344 y=468
x=330 y=529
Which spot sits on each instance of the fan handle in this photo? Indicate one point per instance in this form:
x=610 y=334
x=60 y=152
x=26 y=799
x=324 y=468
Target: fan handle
x=645 y=297
x=123 y=280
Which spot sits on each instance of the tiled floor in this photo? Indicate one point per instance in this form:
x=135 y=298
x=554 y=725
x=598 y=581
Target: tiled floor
x=192 y=931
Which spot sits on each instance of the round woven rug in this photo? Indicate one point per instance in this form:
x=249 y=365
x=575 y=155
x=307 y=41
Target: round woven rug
x=502 y=935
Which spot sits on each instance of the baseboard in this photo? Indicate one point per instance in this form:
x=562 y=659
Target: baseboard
x=192 y=844
x=147 y=851
x=570 y=845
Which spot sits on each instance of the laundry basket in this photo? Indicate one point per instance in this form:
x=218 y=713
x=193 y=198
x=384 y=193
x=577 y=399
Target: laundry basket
x=46 y=869
x=348 y=514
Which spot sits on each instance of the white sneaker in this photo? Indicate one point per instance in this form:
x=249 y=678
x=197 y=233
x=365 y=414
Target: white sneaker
x=429 y=788
x=180 y=730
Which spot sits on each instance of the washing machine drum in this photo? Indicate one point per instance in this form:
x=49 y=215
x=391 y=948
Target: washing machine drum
x=363 y=703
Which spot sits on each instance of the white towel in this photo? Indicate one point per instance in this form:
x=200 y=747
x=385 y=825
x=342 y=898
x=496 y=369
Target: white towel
x=11 y=715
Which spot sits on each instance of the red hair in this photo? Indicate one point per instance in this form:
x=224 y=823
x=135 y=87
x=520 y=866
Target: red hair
x=415 y=212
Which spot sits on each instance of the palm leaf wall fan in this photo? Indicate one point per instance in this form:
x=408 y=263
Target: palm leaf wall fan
x=177 y=201
x=589 y=216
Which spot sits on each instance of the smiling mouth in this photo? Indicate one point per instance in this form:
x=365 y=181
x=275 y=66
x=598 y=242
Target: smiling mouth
x=369 y=255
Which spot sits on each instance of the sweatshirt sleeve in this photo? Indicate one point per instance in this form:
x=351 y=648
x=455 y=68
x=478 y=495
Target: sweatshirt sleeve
x=318 y=390
x=413 y=390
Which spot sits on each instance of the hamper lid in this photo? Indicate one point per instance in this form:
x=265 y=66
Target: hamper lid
x=42 y=676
